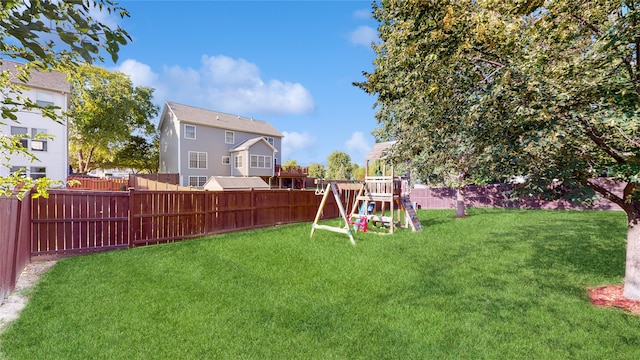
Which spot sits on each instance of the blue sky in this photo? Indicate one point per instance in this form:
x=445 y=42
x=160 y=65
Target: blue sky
x=291 y=63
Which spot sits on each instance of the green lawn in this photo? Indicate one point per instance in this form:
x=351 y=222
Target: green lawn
x=499 y=284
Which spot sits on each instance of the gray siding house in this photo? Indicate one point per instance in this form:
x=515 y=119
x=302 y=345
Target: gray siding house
x=198 y=143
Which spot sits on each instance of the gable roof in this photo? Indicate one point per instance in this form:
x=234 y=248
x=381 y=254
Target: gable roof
x=199 y=116
x=249 y=143
x=46 y=80
x=378 y=150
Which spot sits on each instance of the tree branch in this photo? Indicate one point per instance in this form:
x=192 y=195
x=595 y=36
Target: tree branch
x=596 y=137
x=607 y=194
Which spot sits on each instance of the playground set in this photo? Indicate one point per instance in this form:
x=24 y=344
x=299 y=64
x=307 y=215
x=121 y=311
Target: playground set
x=380 y=201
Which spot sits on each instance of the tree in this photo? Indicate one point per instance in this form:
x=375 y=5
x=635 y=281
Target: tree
x=316 y=170
x=557 y=101
x=106 y=109
x=45 y=34
x=139 y=154
x=290 y=164
x=568 y=108
x=339 y=166
x=358 y=172
x=426 y=75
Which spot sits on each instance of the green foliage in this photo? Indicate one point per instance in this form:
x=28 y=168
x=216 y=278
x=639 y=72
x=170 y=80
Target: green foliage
x=73 y=36
x=492 y=89
x=498 y=285
x=290 y=164
x=426 y=76
x=138 y=153
x=74 y=33
x=106 y=111
x=316 y=170
x=547 y=90
x=339 y=166
x=358 y=172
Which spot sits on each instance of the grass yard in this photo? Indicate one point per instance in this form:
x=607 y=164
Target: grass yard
x=500 y=284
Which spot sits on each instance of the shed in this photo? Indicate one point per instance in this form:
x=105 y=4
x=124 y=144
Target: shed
x=221 y=183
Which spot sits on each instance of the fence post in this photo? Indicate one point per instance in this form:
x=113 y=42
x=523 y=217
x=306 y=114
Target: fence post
x=130 y=220
x=206 y=212
x=290 y=206
x=253 y=203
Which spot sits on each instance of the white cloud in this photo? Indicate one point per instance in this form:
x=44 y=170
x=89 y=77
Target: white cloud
x=294 y=142
x=224 y=84
x=140 y=74
x=362 y=14
x=358 y=147
x=111 y=19
x=363 y=35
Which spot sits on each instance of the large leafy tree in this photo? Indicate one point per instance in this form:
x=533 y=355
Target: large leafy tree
x=558 y=100
x=339 y=166
x=44 y=34
x=568 y=109
x=106 y=110
x=316 y=170
x=139 y=154
x=427 y=74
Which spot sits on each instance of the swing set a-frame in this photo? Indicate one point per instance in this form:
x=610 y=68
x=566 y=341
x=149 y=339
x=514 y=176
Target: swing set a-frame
x=384 y=192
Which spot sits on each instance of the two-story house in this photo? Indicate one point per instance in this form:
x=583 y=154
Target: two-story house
x=45 y=88
x=198 y=143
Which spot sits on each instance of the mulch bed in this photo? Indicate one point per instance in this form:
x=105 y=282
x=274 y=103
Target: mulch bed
x=611 y=296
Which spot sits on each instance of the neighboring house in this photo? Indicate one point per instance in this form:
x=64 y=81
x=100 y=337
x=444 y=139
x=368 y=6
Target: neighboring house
x=199 y=143
x=45 y=88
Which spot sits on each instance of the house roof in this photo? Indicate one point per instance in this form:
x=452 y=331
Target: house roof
x=379 y=149
x=46 y=80
x=249 y=143
x=199 y=116
x=235 y=183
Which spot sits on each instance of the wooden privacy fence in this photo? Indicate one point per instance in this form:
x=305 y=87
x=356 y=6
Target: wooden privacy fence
x=98 y=184
x=14 y=241
x=73 y=222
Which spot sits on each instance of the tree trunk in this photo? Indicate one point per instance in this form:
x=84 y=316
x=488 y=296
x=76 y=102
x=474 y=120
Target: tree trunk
x=460 y=208
x=80 y=162
x=632 y=209
x=632 y=267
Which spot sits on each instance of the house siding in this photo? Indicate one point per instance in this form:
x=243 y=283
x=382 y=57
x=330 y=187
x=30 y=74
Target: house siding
x=260 y=149
x=52 y=87
x=211 y=139
x=169 y=145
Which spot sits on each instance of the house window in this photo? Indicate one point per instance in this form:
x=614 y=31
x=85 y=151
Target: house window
x=34 y=172
x=37 y=172
x=261 y=162
x=228 y=137
x=22 y=133
x=238 y=161
x=44 y=99
x=189 y=131
x=18 y=169
x=226 y=160
x=197 y=160
x=269 y=140
x=38 y=139
x=198 y=181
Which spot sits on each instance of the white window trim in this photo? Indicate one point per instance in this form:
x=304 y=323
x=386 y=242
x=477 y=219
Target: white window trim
x=267 y=161
x=200 y=179
x=237 y=162
x=186 y=132
x=198 y=161
x=233 y=137
x=228 y=160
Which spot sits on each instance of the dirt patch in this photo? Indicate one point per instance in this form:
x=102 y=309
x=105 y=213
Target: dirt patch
x=17 y=300
x=611 y=296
